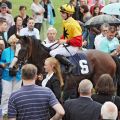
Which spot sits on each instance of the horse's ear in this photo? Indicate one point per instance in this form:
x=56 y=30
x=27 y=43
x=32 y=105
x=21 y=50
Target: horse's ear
x=25 y=39
x=34 y=38
x=18 y=36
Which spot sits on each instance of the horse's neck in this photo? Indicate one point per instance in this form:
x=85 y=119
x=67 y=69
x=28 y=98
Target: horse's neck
x=38 y=56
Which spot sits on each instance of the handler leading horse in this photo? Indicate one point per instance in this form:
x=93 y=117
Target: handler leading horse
x=32 y=51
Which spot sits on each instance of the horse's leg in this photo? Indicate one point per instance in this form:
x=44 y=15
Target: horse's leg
x=70 y=87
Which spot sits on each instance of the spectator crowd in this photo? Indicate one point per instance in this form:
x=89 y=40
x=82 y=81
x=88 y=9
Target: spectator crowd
x=21 y=98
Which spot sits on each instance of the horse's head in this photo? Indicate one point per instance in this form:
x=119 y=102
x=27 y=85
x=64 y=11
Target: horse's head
x=23 y=50
x=29 y=49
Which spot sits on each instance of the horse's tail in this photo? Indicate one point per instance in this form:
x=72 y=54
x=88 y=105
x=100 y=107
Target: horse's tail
x=117 y=74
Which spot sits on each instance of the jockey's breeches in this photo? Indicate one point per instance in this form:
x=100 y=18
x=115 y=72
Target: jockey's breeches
x=61 y=50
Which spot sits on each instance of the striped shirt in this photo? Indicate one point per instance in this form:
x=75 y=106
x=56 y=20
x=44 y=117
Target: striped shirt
x=31 y=103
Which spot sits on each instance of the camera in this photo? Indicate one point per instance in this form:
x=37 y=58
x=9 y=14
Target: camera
x=12 y=72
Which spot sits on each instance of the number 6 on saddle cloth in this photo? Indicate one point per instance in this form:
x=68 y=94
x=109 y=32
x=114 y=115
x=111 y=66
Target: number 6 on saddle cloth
x=82 y=64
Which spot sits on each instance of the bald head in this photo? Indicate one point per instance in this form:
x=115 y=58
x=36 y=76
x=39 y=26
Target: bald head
x=85 y=87
x=109 y=111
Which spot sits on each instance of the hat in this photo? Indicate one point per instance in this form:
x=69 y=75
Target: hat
x=3 y=5
x=68 y=8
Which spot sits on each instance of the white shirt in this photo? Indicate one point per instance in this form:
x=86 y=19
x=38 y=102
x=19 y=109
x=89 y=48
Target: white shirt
x=47 y=43
x=26 y=32
x=98 y=40
x=36 y=9
x=44 y=82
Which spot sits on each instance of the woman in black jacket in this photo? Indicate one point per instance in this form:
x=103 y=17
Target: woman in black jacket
x=53 y=79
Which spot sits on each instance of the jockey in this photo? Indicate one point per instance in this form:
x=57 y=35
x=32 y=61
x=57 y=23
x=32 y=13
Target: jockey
x=71 y=39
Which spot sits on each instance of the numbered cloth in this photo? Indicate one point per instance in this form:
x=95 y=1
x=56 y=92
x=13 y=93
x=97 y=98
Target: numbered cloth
x=82 y=64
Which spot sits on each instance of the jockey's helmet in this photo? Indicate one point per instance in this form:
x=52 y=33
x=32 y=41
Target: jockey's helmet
x=67 y=8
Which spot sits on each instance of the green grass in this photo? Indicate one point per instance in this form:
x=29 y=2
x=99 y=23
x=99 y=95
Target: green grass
x=56 y=3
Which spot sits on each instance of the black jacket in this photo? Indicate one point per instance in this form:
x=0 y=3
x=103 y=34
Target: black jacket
x=82 y=108
x=54 y=85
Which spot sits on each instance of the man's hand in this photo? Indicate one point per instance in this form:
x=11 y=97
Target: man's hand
x=62 y=41
x=84 y=43
x=4 y=65
x=59 y=112
x=40 y=77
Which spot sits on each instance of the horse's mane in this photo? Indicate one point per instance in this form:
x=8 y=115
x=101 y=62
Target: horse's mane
x=37 y=53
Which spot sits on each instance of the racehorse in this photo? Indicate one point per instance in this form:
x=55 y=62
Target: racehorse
x=32 y=51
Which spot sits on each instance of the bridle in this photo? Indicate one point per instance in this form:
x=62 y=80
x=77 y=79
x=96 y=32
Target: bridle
x=22 y=61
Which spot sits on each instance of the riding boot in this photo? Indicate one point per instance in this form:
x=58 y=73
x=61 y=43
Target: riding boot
x=62 y=59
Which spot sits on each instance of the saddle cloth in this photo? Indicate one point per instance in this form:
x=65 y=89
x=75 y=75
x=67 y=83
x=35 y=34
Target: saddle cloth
x=82 y=64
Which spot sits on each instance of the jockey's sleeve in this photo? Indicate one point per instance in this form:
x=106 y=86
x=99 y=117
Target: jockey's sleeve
x=75 y=41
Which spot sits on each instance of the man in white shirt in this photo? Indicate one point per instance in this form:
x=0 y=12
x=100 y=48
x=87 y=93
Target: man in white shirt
x=51 y=38
x=100 y=37
x=30 y=30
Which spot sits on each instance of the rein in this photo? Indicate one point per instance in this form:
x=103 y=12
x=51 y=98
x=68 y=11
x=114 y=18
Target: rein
x=54 y=45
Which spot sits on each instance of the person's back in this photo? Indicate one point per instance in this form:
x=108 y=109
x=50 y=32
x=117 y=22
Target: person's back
x=82 y=108
x=32 y=103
